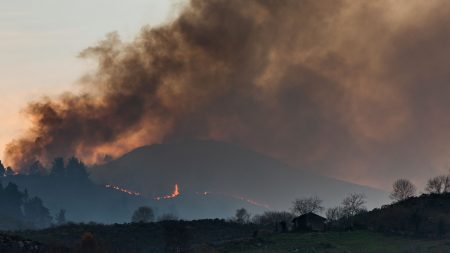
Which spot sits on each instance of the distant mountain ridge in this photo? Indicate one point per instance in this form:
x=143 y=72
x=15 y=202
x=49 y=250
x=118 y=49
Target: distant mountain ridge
x=199 y=166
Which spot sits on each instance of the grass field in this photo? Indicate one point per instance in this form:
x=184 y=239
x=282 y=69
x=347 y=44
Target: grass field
x=334 y=242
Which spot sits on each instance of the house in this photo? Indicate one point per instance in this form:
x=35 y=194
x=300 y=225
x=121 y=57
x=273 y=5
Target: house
x=309 y=222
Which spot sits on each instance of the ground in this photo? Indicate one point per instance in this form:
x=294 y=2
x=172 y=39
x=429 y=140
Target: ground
x=334 y=242
x=219 y=236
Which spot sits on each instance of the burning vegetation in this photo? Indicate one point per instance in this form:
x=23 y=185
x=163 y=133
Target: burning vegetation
x=174 y=194
x=127 y=191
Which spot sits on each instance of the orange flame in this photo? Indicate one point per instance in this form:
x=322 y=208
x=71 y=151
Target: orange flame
x=118 y=188
x=175 y=193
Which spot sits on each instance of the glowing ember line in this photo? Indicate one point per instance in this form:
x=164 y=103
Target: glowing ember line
x=250 y=201
x=118 y=188
x=174 y=194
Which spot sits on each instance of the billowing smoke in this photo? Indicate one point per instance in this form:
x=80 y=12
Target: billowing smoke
x=355 y=89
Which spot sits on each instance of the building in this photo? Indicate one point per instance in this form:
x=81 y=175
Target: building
x=309 y=222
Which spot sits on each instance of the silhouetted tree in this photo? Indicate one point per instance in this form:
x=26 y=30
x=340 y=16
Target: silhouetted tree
x=18 y=207
x=354 y=204
x=402 y=189
x=9 y=171
x=12 y=200
x=439 y=184
x=76 y=169
x=143 y=214
x=58 y=169
x=36 y=168
x=36 y=213
x=2 y=169
x=242 y=216
x=61 y=217
x=307 y=205
x=335 y=213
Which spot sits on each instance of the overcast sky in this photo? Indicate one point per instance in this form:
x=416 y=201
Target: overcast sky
x=40 y=41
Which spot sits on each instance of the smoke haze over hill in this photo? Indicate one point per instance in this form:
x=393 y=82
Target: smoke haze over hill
x=352 y=89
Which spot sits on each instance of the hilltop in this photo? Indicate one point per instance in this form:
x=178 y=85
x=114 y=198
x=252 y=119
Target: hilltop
x=426 y=216
x=219 y=167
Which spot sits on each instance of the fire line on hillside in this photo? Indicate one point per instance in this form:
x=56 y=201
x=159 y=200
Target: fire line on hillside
x=176 y=192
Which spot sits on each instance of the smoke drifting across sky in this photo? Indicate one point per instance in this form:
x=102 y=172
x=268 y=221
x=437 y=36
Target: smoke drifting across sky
x=352 y=89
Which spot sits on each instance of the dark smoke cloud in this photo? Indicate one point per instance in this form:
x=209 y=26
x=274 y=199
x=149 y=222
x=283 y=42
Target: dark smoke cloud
x=354 y=89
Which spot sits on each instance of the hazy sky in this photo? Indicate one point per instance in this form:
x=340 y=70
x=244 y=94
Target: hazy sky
x=356 y=90
x=40 y=41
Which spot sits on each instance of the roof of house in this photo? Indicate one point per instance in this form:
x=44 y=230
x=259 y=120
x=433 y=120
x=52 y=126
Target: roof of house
x=310 y=216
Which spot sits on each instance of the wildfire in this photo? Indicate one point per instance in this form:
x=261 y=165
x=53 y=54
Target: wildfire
x=118 y=188
x=174 y=194
x=250 y=201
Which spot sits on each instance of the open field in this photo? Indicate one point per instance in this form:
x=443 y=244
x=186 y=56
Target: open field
x=331 y=242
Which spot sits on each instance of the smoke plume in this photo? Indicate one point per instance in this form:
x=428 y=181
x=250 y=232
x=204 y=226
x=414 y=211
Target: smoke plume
x=354 y=89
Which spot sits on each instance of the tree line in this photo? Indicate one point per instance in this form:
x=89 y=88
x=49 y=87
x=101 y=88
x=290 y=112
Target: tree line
x=18 y=208
x=352 y=205
x=403 y=188
x=73 y=168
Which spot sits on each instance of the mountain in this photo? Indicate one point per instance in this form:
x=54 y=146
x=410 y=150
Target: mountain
x=223 y=172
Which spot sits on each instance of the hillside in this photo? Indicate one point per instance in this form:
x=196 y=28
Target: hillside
x=226 y=169
x=426 y=216
x=213 y=179
x=83 y=200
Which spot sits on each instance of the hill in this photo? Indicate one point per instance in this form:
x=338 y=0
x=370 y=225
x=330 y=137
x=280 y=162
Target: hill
x=223 y=169
x=426 y=216
x=85 y=201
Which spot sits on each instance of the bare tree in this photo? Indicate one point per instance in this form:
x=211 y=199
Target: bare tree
x=307 y=205
x=143 y=214
x=402 y=189
x=335 y=213
x=438 y=185
x=354 y=204
x=242 y=216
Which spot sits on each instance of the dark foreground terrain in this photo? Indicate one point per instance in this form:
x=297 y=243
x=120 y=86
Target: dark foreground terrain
x=337 y=242
x=417 y=224
x=122 y=241
x=212 y=236
x=164 y=236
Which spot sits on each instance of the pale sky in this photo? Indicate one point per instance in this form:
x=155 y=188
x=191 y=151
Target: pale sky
x=40 y=41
